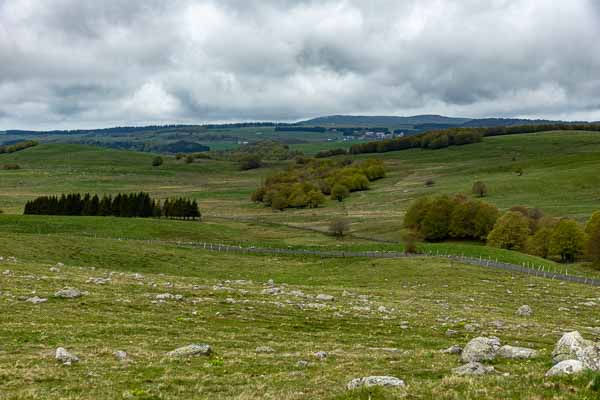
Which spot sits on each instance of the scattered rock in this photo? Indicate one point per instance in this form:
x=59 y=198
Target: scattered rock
x=36 y=300
x=473 y=368
x=524 y=311
x=98 y=281
x=472 y=327
x=569 y=347
x=302 y=363
x=566 y=367
x=191 y=350
x=590 y=357
x=452 y=332
x=54 y=269
x=498 y=324
x=65 y=357
x=455 y=349
x=121 y=355
x=325 y=297
x=272 y=290
x=480 y=349
x=168 y=296
x=68 y=293
x=516 y=352
x=386 y=381
x=321 y=355
x=265 y=349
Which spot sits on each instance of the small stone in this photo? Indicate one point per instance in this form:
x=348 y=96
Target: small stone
x=302 y=363
x=473 y=368
x=191 y=350
x=369 y=381
x=121 y=355
x=265 y=349
x=65 y=357
x=516 y=352
x=68 y=293
x=452 y=332
x=455 y=349
x=54 y=269
x=566 y=367
x=36 y=300
x=321 y=355
x=98 y=281
x=524 y=311
x=325 y=297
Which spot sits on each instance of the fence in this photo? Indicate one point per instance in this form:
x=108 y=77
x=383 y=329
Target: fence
x=538 y=272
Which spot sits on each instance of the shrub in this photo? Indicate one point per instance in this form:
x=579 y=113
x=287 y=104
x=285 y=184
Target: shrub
x=510 y=232
x=416 y=213
x=429 y=182
x=11 y=166
x=189 y=159
x=339 y=227
x=567 y=240
x=479 y=189
x=157 y=161
x=250 y=162
x=436 y=223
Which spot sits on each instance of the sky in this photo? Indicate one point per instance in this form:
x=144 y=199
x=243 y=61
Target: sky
x=67 y=64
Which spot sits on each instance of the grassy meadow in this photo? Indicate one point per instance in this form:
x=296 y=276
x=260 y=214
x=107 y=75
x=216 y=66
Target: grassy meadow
x=388 y=316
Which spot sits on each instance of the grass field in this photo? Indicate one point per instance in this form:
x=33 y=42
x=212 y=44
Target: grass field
x=388 y=317
x=421 y=300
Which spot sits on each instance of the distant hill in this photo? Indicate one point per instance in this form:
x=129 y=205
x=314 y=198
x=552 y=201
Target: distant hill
x=383 y=121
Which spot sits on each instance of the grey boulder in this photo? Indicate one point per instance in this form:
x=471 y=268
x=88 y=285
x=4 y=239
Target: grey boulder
x=480 y=349
x=65 y=357
x=516 y=352
x=369 y=381
x=191 y=350
x=566 y=367
x=570 y=347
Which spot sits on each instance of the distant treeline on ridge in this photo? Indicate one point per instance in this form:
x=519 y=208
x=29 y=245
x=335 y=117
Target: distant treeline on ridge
x=139 y=205
x=459 y=136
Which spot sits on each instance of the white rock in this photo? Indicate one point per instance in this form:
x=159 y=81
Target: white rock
x=191 y=350
x=455 y=349
x=325 y=297
x=36 y=300
x=321 y=355
x=121 y=355
x=369 y=381
x=569 y=347
x=65 y=357
x=524 y=311
x=516 y=352
x=566 y=367
x=68 y=293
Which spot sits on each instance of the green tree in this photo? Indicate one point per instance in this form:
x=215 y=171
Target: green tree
x=510 y=232
x=436 y=222
x=567 y=240
x=539 y=244
x=416 y=213
x=592 y=230
x=315 y=198
x=339 y=192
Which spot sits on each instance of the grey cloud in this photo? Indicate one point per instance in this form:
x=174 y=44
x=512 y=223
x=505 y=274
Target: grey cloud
x=70 y=63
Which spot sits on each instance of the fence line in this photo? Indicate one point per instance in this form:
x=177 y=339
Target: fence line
x=540 y=271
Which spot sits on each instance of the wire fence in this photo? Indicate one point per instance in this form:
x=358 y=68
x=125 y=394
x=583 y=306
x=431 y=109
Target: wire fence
x=539 y=271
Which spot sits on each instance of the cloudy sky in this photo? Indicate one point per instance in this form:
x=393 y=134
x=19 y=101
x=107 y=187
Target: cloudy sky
x=96 y=63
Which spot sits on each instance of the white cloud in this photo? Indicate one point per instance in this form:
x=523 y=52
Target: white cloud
x=67 y=63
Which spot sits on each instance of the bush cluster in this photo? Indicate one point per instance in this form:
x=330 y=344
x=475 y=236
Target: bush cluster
x=11 y=167
x=18 y=146
x=306 y=183
x=139 y=205
x=445 y=217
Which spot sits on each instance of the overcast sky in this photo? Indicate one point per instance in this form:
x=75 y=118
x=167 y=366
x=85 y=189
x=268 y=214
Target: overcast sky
x=97 y=63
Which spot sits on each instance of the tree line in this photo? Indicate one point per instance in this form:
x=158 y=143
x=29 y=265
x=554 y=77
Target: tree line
x=17 y=146
x=138 y=205
x=460 y=136
x=308 y=181
x=521 y=228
